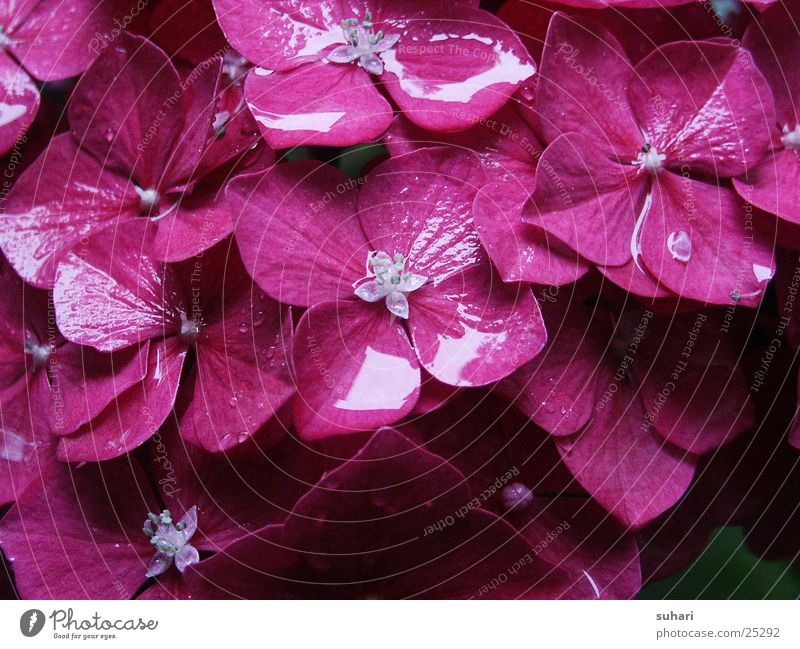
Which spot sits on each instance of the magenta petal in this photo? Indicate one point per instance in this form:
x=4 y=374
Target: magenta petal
x=242 y=375
x=633 y=474
x=26 y=449
x=200 y=221
x=719 y=122
x=57 y=201
x=53 y=48
x=774 y=185
x=355 y=369
x=521 y=252
x=282 y=35
x=119 y=113
x=473 y=64
x=637 y=279
x=586 y=200
x=77 y=533
x=582 y=87
x=420 y=206
x=703 y=242
x=472 y=329
x=84 y=381
x=135 y=415
x=326 y=104
x=20 y=102
x=111 y=301
x=298 y=232
x=772 y=41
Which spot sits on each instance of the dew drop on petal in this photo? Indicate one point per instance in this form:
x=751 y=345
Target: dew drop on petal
x=109 y=134
x=763 y=273
x=516 y=496
x=680 y=246
x=243 y=327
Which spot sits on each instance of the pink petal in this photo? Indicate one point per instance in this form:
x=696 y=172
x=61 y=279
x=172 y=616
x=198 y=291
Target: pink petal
x=633 y=474
x=185 y=557
x=55 y=203
x=20 y=103
x=724 y=255
x=298 y=233
x=697 y=400
x=26 y=449
x=242 y=374
x=505 y=142
x=774 y=185
x=282 y=35
x=53 y=44
x=583 y=85
x=188 y=30
x=521 y=251
x=473 y=330
x=118 y=112
x=112 y=301
x=586 y=200
x=326 y=104
x=637 y=279
x=84 y=526
x=470 y=65
x=719 y=123
x=355 y=369
x=772 y=41
x=420 y=205
x=135 y=415
x=200 y=220
x=84 y=381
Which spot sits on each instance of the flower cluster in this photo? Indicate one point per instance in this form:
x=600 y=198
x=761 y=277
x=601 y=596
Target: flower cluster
x=394 y=298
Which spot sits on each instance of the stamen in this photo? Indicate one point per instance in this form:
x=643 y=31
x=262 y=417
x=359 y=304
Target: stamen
x=374 y=286
x=39 y=353
x=363 y=44
x=148 y=200
x=190 y=329
x=171 y=541
x=649 y=159
x=791 y=138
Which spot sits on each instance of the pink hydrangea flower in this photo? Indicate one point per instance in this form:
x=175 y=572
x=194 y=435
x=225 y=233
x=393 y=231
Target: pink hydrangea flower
x=624 y=180
x=632 y=397
x=375 y=528
x=509 y=150
x=515 y=471
x=144 y=142
x=240 y=376
x=41 y=41
x=443 y=63
x=103 y=529
x=395 y=277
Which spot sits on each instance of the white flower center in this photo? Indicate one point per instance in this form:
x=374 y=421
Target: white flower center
x=388 y=279
x=190 y=328
x=650 y=159
x=364 y=44
x=39 y=353
x=791 y=139
x=148 y=200
x=171 y=541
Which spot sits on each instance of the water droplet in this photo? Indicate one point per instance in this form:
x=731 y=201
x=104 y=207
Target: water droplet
x=270 y=352
x=243 y=327
x=232 y=402
x=763 y=273
x=109 y=134
x=516 y=496
x=680 y=246
x=527 y=93
x=563 y=410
